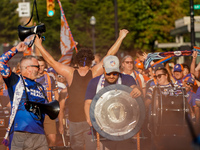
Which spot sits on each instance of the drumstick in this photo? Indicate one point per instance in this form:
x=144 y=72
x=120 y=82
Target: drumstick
x=63 y=138
x=98 y=141
x=138 y=140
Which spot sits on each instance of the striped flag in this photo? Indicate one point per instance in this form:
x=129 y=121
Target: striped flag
x=67 y=43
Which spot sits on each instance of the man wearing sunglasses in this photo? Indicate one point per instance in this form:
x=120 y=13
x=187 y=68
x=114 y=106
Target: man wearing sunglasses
x=110 y=76
x=25 y=129
x=188 y=83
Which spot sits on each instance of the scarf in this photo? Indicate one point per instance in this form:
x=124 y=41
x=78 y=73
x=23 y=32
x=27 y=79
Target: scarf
x=16 y=100
x=102 y=82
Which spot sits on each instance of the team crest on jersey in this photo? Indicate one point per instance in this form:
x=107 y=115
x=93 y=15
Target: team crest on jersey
x=165 y=92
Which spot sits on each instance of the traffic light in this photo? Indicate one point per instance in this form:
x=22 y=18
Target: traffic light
x=50 y=8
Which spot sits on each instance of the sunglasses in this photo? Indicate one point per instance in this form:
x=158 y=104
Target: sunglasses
x=158 y=76
x=113 y=73
x=129 y=62
x=190 y=84
x=60 y=76
x=37 y=66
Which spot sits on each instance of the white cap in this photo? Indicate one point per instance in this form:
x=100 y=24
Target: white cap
x=111 y=64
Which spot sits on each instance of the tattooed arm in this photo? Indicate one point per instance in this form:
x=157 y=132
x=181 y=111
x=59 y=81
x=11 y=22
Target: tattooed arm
x=4 y=58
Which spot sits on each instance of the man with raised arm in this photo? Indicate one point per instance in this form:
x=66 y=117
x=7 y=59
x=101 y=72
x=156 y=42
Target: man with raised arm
x=78 y=80
x=111 y=76
x=25 y=130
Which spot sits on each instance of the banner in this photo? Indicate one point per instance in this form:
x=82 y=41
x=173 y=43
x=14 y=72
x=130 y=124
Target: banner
x=67 y=43
x=165 y=56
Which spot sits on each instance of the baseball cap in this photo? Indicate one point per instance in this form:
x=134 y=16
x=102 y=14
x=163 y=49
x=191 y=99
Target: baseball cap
x=111 y=64
x=139 y=65
x=178 y=68
x=189 y=80
x=159 y=66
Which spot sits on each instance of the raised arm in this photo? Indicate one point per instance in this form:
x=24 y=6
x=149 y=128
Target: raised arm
x=64 y=70
x=197 y=70
x=193 y=63
x=4 y=68
x=97 y=69
x=170 y=72
x=114 y=49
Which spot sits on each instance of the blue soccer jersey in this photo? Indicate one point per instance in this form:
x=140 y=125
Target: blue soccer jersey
x=25 y=120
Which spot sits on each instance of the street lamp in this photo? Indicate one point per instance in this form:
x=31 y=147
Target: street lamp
x=192 y=32
x=93 y=22
x=116 y=20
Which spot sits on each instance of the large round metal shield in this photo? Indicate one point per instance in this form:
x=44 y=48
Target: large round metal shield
x=115 y=115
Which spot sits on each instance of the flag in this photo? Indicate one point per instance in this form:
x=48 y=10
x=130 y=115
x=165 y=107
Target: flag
x=66 y=59
x=67 y=43
x=29 y=51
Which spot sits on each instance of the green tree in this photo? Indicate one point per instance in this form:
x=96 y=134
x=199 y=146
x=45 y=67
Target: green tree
x=9 y=21
x=149 y=20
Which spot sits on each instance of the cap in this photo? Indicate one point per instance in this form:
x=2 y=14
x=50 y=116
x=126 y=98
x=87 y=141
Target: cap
x=178 y=68
x=139 y=65
x=189 y=80
x=159 y=66
x=111 y=64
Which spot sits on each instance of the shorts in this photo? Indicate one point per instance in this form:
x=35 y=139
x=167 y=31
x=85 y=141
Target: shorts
x=29 y=141
x=49 y=126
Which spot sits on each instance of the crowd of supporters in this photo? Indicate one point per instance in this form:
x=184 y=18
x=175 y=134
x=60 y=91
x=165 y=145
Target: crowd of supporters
x=163 y=74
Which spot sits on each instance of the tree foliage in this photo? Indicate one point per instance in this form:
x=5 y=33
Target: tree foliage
x=9 y=21
x=147 y=21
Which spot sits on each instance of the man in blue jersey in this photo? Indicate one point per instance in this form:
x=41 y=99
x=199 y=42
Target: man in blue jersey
x=25 y=130
x=110 y=76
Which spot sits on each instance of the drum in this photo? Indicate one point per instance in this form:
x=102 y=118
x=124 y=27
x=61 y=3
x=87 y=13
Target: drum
x=169 y=107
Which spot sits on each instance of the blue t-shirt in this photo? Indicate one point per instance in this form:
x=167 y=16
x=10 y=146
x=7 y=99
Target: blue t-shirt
x=92 y=86
x=191 y=98
x=24 y=120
